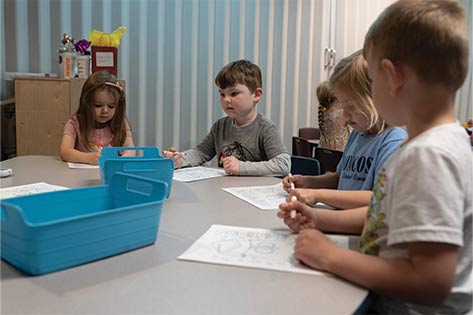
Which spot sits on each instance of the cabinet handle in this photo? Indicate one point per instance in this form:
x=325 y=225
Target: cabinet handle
x=326 y=57
x=333 y=57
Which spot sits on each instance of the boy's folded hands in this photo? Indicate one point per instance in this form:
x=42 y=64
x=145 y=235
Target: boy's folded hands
x=231 y=165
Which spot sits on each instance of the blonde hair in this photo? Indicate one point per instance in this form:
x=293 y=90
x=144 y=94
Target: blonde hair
x=350 y=80
x=325 y=97
x=101 y=80
x=429 y=36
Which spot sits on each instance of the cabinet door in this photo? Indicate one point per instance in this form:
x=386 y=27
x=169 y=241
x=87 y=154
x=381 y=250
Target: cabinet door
x=75 y=92
x=42 y=107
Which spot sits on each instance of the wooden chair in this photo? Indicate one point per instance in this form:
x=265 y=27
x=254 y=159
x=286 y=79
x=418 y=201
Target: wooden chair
x=309 y=133
x=328 y=159
x=302 y=147
x=303 y=165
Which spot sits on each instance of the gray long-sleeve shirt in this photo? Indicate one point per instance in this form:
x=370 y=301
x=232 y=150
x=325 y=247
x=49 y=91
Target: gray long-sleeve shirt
x=258 y=146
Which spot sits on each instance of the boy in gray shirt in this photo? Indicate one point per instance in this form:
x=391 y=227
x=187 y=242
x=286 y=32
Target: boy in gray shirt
x=245 y=142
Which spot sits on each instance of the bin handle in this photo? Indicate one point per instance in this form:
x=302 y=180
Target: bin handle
x=141 y=166
x=120 y=181
x=12 y=213
x=148 y=152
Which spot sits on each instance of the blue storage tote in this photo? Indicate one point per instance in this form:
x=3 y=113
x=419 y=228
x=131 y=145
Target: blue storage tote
x=151 y=164
x=55 y=230
x=114 y=153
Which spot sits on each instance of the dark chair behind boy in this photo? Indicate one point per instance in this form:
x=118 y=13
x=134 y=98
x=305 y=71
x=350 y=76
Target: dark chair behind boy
x=309 y=133
x=302 y=147
x=328 y=159
x=303 y=165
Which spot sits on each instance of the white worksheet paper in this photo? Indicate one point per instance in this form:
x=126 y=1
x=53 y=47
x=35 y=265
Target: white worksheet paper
x=81 y=165
x=29 y=189
x=251 y=248
x=263 y=197
x=191 y=174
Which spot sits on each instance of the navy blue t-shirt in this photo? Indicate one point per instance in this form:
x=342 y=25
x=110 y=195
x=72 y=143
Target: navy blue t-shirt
x=364 y=156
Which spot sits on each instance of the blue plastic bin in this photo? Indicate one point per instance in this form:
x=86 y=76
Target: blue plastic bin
x=55 y=230
x=150 y=165
x=114 y=153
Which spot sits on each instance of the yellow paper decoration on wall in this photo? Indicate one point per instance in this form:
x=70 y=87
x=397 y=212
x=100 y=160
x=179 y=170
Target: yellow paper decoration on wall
x=99 y=38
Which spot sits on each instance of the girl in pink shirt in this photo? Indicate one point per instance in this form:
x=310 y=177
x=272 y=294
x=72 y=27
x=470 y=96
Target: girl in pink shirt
x=99 y=122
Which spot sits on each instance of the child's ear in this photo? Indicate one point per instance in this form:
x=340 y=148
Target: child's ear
x=394 y=74
x=258 y=93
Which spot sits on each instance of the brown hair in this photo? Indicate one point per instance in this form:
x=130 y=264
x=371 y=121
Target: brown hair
x=350 y=80
x=240 y=72
x=101 y=80
x=325 y=97
x=430 y=36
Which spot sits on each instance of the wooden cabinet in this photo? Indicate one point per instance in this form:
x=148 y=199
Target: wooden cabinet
x=43 y=105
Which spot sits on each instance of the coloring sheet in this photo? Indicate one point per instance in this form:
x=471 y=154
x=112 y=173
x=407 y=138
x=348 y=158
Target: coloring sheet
x=191 y=174
x=81 y=165
x=263 y=197
x=29 y=189
x=251 y=248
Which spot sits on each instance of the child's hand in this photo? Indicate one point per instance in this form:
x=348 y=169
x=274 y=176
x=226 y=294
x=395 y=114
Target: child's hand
x=307 y=196
x=231 y=165
x=305 y=215
x=313 y=248
x=174 y=155
x=298 y=180
x=93 y=157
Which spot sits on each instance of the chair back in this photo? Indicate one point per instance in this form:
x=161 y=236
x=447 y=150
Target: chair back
x=303 y=165
x=302 y=147
x=328 y=159
x=309 y=133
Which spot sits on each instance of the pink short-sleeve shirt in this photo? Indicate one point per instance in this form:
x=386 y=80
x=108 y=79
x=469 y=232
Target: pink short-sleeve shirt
x=98 y=138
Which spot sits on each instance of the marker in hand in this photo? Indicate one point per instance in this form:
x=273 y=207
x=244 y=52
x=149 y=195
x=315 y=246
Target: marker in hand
x=170 y=152
x=290 y=181
x=293 y=212
x=294 y=198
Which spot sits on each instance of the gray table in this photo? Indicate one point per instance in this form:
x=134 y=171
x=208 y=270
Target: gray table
x=150 y=280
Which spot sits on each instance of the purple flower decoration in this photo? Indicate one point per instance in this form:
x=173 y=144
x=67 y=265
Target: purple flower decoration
x=82 y=46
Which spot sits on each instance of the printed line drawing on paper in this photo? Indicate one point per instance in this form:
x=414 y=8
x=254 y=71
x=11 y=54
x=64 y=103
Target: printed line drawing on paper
x=30 y=189
x=262 y=197
x=191 y=174
x=250 y=247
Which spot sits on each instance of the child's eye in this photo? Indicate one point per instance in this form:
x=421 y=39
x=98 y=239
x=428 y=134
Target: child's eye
x=222 y=95
x=111 y=106
x=98 y=105
x=235 y=93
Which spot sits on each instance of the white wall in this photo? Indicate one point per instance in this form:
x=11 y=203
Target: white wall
x=464 y=98
x=173 y=49
x=352 y=19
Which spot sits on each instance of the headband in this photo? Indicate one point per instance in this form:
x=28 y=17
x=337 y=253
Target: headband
x=115 y=85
